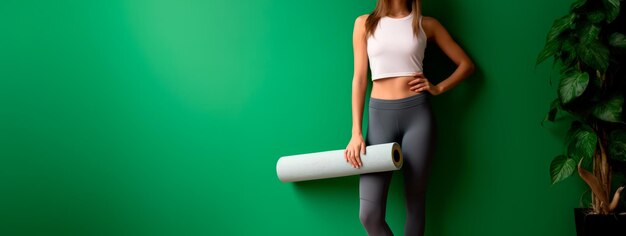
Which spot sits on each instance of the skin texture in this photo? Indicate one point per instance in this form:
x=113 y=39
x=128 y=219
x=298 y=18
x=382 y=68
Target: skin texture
x=401 y=86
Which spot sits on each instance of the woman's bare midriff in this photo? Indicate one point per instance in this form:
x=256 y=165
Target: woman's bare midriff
x=393 y=88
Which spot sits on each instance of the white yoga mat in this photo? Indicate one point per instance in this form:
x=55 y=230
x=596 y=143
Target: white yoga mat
x=330 y=164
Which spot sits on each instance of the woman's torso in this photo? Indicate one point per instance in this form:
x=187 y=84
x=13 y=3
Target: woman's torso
x=392 y=88
x=397 y=87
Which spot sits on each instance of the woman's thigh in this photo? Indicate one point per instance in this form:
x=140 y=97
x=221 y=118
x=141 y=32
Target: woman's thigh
x=418 y=143
x=381 y=128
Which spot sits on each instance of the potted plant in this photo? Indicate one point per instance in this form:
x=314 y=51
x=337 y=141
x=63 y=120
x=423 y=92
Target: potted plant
x=588 y=45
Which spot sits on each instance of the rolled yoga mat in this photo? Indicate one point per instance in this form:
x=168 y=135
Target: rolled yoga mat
x=330 y=164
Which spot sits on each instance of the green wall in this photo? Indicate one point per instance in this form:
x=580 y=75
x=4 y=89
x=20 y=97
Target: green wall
x=168 y=117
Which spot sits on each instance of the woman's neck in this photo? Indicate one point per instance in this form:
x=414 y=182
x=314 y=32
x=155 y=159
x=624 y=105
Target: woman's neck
x=397 y=8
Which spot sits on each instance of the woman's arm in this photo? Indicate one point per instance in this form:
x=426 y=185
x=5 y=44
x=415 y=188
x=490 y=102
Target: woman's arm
x=436 y=32
x=359 y=86
x=359 y=80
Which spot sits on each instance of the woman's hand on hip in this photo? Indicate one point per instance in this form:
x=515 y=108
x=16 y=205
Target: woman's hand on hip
x=353 y=151
x=421 y=83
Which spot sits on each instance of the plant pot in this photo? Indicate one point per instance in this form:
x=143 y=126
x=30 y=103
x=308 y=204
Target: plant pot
x=599 y=225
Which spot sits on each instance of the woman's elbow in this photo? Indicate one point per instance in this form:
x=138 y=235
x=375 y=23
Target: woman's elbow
x=470 y=68
x=360 y=78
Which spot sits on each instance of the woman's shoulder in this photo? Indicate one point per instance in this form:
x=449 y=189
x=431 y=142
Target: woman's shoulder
x=430 y=24
x=429 y=21
x=359 y=22
x=362 y=18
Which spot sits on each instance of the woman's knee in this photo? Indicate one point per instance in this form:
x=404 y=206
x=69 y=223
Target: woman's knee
x=371 y=214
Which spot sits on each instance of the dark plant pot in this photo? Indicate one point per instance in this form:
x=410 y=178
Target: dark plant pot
x=599 y=225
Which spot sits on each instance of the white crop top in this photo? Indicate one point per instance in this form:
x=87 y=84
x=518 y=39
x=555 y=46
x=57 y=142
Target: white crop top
x=393 y=50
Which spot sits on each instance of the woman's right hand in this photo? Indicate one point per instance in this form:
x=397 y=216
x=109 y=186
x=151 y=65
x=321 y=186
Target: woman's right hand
x=353 y=150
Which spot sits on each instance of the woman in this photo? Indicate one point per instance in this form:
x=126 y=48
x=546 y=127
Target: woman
x=393 y=37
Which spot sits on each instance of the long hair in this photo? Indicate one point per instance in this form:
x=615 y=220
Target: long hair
x=382 y=9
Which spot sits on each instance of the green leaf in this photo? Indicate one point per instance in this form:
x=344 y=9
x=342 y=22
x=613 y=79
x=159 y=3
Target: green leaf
x=561 y=167
x=596 y=16
x=552 y=42
x=577 y=4
x=612 y=9
x=569 y=45
x=548 y=51
x=594 y=54
x=588 y=33
x=572 y=86
x=617 y=40
x=554 y=108
x=568 y=55
x=617 y=145
x=559 y=25
x=581 y=141
x=567 y=69
x=609 y=110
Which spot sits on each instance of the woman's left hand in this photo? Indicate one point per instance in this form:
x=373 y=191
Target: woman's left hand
x=421 y=83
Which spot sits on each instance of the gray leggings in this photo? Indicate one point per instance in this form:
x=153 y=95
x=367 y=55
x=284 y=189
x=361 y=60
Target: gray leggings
x=408 y=121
